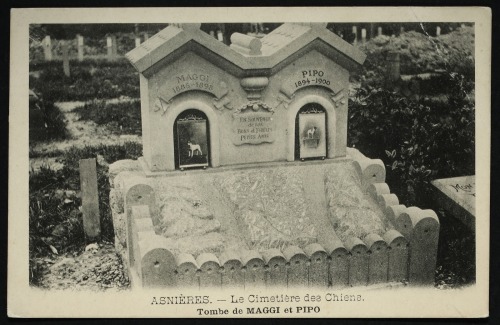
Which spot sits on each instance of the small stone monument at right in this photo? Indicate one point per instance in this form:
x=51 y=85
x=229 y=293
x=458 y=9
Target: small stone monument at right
x=457 y=196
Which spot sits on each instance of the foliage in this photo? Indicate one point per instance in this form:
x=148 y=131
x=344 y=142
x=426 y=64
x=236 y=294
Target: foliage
x=425 y=137
x=419 y=53
x=55 y=220
x=90 y=79
x=54 y=124
x=121 y=118
x=33 y=153
x=110 y=153
x=421 y=139
x=456 y=253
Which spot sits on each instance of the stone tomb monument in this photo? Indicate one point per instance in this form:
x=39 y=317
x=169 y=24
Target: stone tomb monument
x=247 y=94
x=457 y=195
x=246 y=180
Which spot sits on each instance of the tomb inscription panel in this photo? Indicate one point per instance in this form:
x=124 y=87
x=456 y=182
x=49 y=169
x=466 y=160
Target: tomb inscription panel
x=310 y=76
x=196 y=79
x=253 y=128
x=458 y=196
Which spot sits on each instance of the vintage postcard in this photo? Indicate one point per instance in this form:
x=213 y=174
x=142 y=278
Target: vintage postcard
x=249 y=162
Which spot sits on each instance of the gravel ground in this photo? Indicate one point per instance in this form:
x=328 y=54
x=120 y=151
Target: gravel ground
x=94 y=269
x=82 y=133
x=97 y=268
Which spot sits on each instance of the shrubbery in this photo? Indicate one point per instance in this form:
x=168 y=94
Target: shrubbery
x=56 y=126
x=419 y=140
x=121 y=118
x=419 y=53
x=55 y=221
x=422 y=138
x=46 y=121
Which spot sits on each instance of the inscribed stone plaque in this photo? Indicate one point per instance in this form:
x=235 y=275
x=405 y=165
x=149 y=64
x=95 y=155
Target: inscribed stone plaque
x=253 y=128
x=458 y=196
x=195 y=79
x=311 y=76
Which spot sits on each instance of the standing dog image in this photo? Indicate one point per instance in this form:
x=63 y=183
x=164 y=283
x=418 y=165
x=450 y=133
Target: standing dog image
x=311 y=132
x=193 y=148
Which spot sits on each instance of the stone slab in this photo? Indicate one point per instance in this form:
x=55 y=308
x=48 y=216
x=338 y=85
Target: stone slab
x=90 y=200
x=457 y=195
x=212 y=197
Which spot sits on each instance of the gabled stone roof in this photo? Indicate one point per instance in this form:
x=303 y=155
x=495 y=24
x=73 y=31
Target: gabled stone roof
x=279 y=48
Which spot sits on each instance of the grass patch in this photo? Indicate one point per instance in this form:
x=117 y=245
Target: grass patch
x=91 y=79
x=86 y=64
x=95 y=46
x=46 y=154
x=55 y=220
x=120 y=118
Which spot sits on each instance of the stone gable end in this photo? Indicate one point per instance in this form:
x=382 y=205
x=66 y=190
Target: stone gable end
x=239 y=104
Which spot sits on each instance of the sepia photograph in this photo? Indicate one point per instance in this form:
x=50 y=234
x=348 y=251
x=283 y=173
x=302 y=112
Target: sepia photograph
x=216 y=167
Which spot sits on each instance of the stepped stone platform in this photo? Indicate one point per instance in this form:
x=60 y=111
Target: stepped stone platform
x=271 y=212
x=264 y=207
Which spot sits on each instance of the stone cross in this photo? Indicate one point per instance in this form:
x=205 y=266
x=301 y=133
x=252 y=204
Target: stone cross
x=111 y=46
x=220 y=36
x=79 y=44
x=47 y=48
x=65 y=50
x=363 y=35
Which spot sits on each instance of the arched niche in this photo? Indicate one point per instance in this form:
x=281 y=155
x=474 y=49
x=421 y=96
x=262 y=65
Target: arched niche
x=191 y=140
x=302 y=98
x=313 y=133
x=171 y=116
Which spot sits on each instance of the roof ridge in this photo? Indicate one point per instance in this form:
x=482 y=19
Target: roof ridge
x=273 y=46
